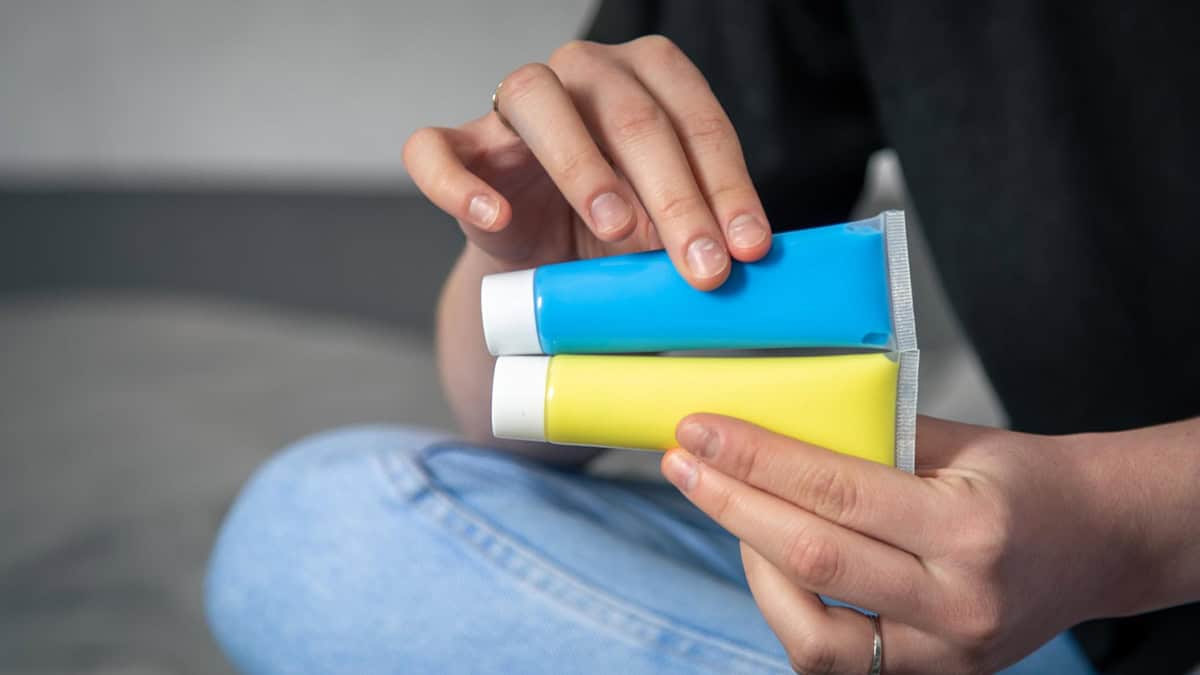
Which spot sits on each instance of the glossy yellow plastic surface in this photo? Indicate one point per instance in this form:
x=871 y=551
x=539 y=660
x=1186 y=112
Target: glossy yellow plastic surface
x=845 y=403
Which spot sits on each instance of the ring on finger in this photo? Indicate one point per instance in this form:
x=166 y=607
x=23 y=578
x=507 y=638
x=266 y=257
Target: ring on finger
x=496 y=106
x=876 y=647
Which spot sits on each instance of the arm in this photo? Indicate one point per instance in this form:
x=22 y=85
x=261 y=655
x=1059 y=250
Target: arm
x=1146 y=486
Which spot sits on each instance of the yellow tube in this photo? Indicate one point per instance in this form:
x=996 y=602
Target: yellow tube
x=845 y=403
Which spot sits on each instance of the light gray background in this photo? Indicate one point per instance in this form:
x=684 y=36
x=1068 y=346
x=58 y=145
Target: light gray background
x=251 y=90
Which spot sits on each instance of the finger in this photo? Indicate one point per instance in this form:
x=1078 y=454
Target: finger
x=815 y=554
x=811 y=636
x=433 y=157
x=817 y=639
x=876 y=500
x=636 y=133
x=709 y=141
x=534 y=102
x=842 y=639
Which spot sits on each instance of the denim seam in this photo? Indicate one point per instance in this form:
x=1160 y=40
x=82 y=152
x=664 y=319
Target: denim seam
x=644 y=627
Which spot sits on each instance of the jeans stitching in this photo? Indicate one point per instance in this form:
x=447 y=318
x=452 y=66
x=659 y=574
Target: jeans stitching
x=646 y=628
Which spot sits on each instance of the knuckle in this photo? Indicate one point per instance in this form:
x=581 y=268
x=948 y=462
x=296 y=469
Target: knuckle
x=813 y=560
x=810 y=655
x=423 y=135
x=573 y=52
x=657 y=46
x=675 y=207
x=981 y=629
x=734 y=193
x=753 y=462
x=635 y=121
x=976 y=623
x=417 y=142
x=710 y=129
x=660 y=52
x=988 y=538
x=576 y=166
x=520 y=82
x=725 y=503
x=829 y=493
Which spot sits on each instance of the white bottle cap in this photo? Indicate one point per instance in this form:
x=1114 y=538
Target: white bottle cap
x=509 y=319
x=519 y=397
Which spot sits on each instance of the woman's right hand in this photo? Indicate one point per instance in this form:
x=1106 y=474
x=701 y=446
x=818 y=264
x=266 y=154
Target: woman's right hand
x=611 y=149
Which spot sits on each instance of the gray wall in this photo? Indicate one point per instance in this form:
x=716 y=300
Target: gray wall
x=236 y=91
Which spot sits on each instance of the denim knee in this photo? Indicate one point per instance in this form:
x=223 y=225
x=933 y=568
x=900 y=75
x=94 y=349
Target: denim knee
x=369 y=551
x=300 y=530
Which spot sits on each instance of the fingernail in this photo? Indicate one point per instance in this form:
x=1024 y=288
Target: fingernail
x=746 y=231
x=699 y=439
x=483 y=210
x=706 y=258
x=680 y=468
x=610 y=212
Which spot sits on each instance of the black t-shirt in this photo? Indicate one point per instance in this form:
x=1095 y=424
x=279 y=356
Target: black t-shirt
x=1053 y=153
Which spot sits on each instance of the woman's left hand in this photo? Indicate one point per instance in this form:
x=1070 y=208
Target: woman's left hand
x=997 y=544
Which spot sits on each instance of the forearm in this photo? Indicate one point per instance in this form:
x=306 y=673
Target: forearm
x=1147 y=488
x=466 y=366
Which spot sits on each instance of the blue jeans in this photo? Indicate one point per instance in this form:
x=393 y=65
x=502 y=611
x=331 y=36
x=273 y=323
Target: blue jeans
x=389 y=550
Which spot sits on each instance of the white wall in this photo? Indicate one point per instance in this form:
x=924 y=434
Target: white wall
x=261 y=90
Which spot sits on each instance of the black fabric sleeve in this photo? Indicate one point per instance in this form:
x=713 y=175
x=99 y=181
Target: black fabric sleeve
x=789 y=76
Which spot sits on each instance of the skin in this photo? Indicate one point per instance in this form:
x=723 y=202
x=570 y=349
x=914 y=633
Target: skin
x=608 y=149
x=999 y=542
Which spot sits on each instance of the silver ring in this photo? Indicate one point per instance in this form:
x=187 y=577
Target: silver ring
x=876 y=648
x=496 y=106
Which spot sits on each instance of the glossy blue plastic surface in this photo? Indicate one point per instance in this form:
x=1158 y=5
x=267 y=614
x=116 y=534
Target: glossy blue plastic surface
x=822 y=287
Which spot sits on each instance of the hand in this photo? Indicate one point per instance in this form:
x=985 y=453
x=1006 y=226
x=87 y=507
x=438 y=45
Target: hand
x=987 y=553
x=611 y=149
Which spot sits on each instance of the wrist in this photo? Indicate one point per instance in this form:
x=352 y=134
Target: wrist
x=462 y=284
x=1116 y=525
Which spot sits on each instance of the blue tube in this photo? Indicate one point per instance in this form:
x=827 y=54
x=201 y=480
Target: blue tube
x=822 y=287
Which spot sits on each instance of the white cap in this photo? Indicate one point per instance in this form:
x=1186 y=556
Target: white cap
x=519 y=397
x=509 y=319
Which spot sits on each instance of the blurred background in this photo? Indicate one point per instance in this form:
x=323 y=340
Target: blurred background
x=208 y=249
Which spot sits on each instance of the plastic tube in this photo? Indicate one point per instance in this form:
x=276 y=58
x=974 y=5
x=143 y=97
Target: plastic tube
x=840 y=286
x=859 y=404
